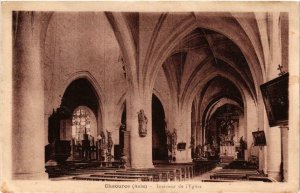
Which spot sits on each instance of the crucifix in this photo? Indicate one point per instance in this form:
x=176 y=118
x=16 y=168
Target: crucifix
x=280 y=69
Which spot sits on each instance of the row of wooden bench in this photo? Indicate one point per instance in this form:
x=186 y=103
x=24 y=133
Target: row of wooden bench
x=238 y=175
x=185 y=170
x=159 y=173
x=201 y=167
x=250 y=178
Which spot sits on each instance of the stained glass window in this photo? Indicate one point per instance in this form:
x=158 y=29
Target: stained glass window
x=80 y=123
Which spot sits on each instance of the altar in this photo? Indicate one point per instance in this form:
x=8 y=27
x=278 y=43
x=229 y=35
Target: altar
x=227 y=151
x=227 y=154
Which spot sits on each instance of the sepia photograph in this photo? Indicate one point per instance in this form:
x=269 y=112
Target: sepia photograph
x=136 y=99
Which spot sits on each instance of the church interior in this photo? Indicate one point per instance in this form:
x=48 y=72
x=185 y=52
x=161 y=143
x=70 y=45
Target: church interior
x=150 y=96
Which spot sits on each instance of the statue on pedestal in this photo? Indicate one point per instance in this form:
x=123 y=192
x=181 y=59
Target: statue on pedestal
x=243 y=147
x=102 y=146
x=142 y=123
x=109 y=145
x=85 y=146
x=174 y=139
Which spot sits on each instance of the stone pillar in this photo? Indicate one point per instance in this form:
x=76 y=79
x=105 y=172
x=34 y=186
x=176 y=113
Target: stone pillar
x=274 y=133
x=126 y=149
x=204 y=134
x=188 y=137
x=251 y=126
x=184 y=135
x=199 y=133
x=28 y=130
x=274 y=152
x=140 y=147
x=285 y=150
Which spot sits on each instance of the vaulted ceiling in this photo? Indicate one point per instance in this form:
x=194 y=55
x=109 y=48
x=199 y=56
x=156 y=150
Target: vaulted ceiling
x=201 y=52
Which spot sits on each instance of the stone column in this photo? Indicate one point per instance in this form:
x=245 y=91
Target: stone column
x=285 y=150
x=140 y=147
x=188 y=136
x=251 y=126
x=274 y=133
x=199 y=131
x=126 y=149
x=274 y=152
x=28 y=117
x=183 y=128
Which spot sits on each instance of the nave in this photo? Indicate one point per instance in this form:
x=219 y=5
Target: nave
x=151 y=96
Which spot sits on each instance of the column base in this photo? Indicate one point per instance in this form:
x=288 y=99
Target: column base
x=184 y=161
x=30 y=176
x=275 y=175
x=142 y=166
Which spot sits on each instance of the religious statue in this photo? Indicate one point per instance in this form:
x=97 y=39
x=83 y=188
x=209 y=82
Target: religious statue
x=102 y=145
x=85 y=145
x=102 y=140
x=214 y=143
x=124 y=161
x=174 y=139
x=109 y=145
x=142 y=123
x=169 y=140
x=243 y=147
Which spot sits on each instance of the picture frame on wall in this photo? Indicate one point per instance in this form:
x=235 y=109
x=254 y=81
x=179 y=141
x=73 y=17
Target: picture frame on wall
x=275 y=96
x=181 y=146
x=259 y=138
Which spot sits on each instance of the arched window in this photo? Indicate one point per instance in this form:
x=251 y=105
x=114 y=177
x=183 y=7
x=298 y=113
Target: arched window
x=83 y=120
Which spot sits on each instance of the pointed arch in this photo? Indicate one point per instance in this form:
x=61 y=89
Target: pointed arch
x=96 y=88
x=237 y=36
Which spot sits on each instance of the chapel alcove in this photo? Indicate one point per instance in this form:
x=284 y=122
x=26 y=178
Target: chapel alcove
x=224 y=131
x=80 y=95
x=159 y=138
x=75 y=121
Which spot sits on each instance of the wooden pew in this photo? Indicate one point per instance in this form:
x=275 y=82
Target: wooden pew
x=203 y=166
x=187 y=169
x=174 y=173
x=235 y=174
x=124 y=176
x=238 y=170
x=261 y=178
x=89 y=178
x=229 y=176
x=157 y=176
x=218 y=180
x=180 y=173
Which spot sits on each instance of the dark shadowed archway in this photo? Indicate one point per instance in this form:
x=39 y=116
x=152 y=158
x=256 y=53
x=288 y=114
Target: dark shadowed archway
x=159 y=138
